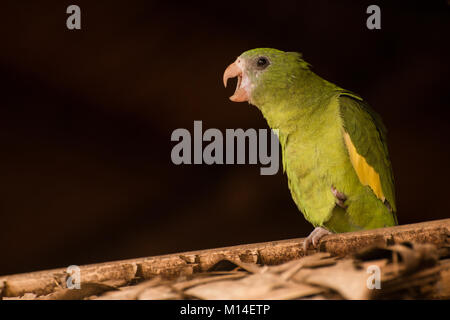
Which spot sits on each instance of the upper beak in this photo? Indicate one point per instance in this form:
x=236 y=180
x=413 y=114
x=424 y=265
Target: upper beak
x=235 y=70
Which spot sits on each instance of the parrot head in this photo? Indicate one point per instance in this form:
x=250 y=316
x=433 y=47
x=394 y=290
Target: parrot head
x=262 y=74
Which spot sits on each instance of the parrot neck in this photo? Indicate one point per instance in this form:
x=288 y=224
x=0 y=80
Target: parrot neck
x=286 y=107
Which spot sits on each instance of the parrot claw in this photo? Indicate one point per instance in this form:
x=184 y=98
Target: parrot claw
x=314 y=237
x=340 y=197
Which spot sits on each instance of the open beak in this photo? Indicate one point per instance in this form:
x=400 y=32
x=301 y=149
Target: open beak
x=235 y=70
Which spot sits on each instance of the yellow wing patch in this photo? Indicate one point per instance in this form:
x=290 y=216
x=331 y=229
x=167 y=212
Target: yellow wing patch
x=366 y=174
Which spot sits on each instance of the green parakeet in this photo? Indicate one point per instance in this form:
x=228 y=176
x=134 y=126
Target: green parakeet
x=333 y=144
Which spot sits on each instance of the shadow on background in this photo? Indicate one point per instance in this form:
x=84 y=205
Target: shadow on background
x=86 y=118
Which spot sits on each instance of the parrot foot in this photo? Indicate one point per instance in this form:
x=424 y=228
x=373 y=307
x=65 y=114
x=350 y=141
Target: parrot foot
x=340 y=197
x=314 y=237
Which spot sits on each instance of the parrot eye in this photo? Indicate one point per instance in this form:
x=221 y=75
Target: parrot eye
x=262 y=62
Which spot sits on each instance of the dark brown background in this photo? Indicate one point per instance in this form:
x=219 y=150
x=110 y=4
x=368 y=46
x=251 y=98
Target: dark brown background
x=86 y=118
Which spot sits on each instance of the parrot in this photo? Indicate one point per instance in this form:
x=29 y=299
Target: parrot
x=333 y=144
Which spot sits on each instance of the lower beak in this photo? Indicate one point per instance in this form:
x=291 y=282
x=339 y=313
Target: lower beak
x=234 y=70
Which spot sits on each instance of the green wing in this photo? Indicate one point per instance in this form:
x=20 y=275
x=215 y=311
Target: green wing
x=368 y=134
